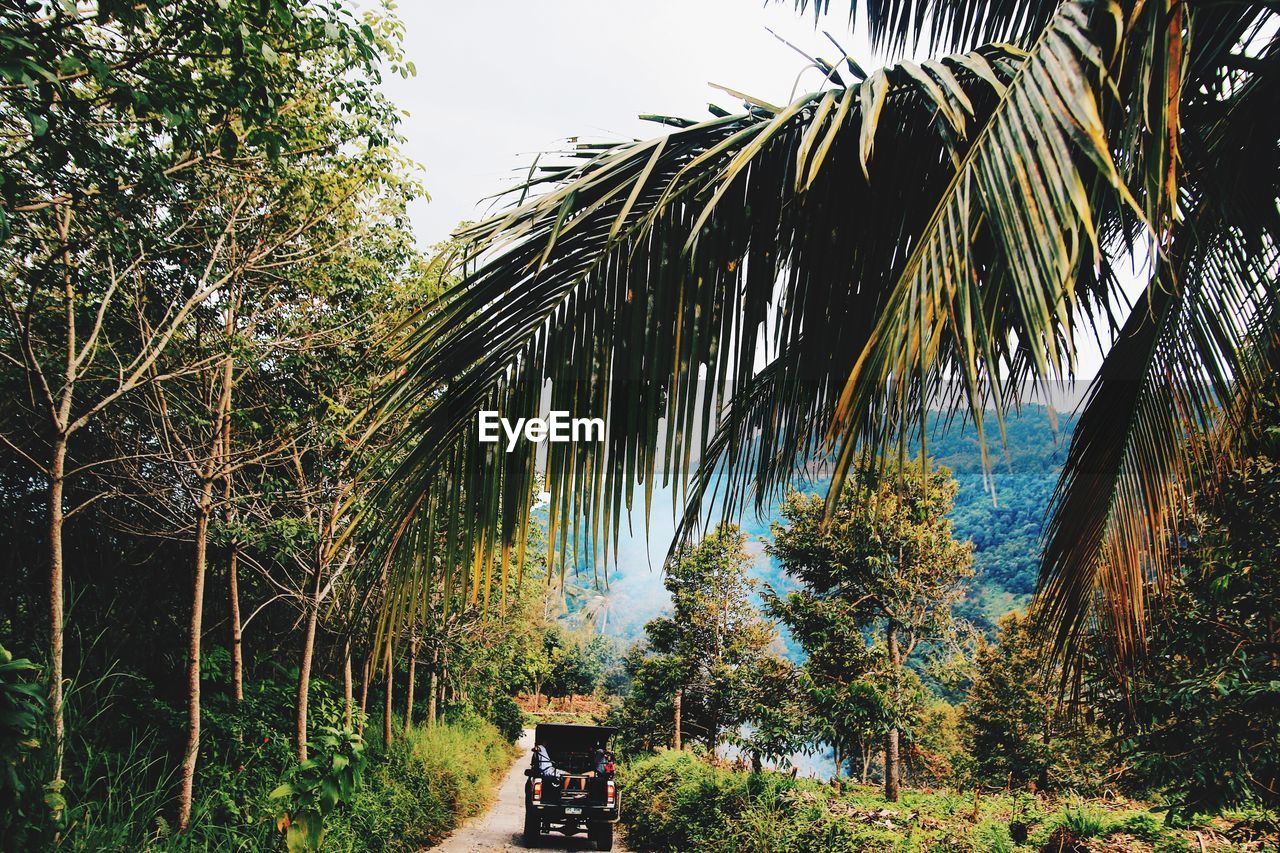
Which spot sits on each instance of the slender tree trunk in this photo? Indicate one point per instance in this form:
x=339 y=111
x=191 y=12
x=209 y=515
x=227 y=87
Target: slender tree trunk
x=679 y=702
x=308 y=653
x=365 y=672
x=233 y=552
x=386 y=709
x=892 y=768
x=57 y=516
x=218 y=465
x=57 y=513
x=193 y=656
x=413 y=668
x=432 y=684
x=237 y=634
x=835 y=747
x=348 y=694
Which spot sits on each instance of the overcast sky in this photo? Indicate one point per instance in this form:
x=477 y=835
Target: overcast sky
x=500 y=80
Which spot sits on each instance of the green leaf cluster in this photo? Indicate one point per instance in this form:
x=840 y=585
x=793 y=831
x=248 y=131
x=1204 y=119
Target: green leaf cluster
x=314 y=788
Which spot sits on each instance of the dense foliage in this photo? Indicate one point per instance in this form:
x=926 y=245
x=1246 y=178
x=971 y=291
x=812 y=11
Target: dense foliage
x=1208 y=696
x=710 y=662
x=1017 y=728
x=424 y=786
x=680 y=802
x=879 y=573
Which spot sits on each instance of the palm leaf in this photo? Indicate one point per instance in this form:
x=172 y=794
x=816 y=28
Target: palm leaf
x=641 y=289
x=744 y=294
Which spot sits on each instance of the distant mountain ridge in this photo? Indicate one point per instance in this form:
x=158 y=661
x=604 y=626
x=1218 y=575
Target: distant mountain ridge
x=1006 y=531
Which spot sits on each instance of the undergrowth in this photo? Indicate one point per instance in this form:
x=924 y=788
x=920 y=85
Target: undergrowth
x=679 y=801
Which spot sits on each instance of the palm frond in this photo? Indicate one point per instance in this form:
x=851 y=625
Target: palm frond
x=747 y=293
x=951 y=25
x=650 y=281
x=990 y=293
x=1195 y=350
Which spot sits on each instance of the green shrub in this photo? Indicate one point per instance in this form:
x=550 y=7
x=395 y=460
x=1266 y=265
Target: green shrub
x=423 y=786
x=1141 y=825
x=315 y=787
x=507 y=716
x=24 y=807
x=1085 y=822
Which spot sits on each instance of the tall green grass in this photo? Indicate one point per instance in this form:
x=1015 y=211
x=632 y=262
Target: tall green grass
x=413 y=794
x=423 y=787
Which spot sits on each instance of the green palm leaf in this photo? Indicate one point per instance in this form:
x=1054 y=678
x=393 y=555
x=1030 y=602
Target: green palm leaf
x=746 y=294
x=640 y=287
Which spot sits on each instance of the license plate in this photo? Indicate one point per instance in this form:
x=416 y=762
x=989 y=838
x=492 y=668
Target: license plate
x=572 y=810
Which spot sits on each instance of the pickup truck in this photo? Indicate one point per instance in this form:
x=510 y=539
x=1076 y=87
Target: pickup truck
x=577 y=792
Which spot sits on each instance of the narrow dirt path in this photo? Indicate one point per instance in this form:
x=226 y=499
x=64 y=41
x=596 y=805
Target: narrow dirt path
x=502 y=827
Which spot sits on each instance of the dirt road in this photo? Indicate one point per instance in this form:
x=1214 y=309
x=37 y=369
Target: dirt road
x=501 y=828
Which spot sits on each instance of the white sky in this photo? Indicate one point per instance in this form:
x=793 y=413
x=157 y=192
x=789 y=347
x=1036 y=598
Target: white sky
x=500 y=80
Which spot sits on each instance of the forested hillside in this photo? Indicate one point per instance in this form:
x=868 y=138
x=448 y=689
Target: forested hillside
x=1003 y=516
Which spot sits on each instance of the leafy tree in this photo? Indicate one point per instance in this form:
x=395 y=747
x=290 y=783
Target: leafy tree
x=582 y=664
x=713 y=650
x=125 y=126
x=1016 y=728
x=776 y=706
x=937 y=754
x=108 y=113
x=882 y=560
x=646 y=718
x=1208 y=694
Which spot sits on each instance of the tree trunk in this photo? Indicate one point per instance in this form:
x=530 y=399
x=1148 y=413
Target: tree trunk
x=218 y=464
x=237 y=635
x=431 y=697
x=57 y=515
x=386 y=710
x=348 y=694
x=413 y=668
x=835 y=748
x=233 y=552
x=756 y=765
x=679 y=701
x=193 y=656
x=892 y=768
x=364 y=690
x=308 y=653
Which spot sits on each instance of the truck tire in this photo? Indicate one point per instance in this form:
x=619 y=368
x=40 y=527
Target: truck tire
x=602 y=835
x=532 y=828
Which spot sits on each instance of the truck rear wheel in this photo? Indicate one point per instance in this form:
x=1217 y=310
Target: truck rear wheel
x=532 y=828
x=602 y=835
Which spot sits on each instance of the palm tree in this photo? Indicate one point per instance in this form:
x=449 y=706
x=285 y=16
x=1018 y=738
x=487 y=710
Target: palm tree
x=743 y=295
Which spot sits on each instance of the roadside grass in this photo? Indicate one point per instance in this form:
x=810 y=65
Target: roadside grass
x=682 y=802
x=423 y=787
x=413 y=794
